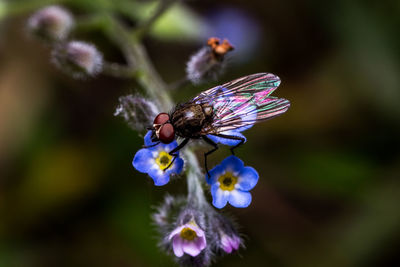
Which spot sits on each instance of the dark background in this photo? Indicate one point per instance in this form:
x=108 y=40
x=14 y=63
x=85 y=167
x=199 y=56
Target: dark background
x=329 y=188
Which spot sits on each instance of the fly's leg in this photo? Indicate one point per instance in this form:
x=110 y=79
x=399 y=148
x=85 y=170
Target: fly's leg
x=233 y=137
x=210 y=142
x=153 y=139
x=174 y=153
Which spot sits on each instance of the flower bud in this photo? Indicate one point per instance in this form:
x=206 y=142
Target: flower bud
x=52 y=23
x=229 y=243
x=209 y=62
x=137 y=111
x=80 y=59
x=219 y=49
x=228 y=239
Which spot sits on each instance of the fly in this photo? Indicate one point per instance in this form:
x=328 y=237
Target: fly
x=220 y=112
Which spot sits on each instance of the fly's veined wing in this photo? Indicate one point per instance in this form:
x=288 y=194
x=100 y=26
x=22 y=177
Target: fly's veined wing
x=239 y=117
x=262 y=83
x=241 y=103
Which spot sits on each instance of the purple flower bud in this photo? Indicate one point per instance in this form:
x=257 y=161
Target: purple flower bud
x=52 y=23
x=228 y=239
x=80 y=59
x=208 y=63
x=229 y=243
x=137 y=111
x=188 y=238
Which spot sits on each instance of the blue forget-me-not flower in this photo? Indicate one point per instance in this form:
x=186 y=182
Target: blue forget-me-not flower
x=230 y=182
x=154 y=161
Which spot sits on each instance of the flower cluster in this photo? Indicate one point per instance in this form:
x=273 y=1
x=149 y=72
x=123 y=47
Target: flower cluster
x=194 y=234
x=192 y=230
x=230 y=181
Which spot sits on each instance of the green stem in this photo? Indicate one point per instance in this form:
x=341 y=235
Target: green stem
x=118 y=71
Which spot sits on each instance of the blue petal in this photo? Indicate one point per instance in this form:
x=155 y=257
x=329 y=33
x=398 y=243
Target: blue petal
x=169 y=147
x=239 y=199
x=232 y=164
x=177 y=167
x=248 y=178
x=227 y=141
x=219 y=197
x=159 y=177
x=215 y=173
x=143 y=160
x=147 y=139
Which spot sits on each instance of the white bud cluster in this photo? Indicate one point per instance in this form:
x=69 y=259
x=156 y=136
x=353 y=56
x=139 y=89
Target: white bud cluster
x=137 y=111
x=78 y=58
x=52 y=23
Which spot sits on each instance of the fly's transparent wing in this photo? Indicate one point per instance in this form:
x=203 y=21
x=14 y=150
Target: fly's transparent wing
x=239 y=104
x=247 y=114
x=262 y=83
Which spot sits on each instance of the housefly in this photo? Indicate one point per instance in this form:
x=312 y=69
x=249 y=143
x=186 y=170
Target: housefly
x=222 y=111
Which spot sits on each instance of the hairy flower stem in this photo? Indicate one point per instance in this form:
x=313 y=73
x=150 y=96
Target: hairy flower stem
x=155 y=87
x=195 y=189
x=118 y=71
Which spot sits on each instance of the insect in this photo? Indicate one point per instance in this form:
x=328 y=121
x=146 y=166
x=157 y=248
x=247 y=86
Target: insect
x=221 y=112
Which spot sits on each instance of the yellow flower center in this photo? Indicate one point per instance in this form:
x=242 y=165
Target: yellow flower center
x=188 y=234
x=227 y=181
x=163 y=160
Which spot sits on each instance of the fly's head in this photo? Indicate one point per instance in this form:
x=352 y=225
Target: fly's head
x=163 y=130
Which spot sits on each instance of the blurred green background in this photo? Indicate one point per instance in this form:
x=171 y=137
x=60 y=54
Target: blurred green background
x=329 y=188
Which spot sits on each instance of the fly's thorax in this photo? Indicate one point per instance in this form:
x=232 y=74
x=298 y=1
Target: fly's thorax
x=207 y=110
x=188 y=120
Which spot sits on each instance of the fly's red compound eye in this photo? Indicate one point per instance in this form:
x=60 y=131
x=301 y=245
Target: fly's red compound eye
x=161 y=118
x=166 y=133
